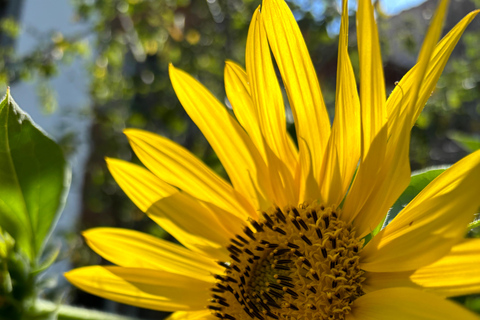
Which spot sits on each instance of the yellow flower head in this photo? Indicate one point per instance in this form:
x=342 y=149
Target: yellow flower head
x=285 y=239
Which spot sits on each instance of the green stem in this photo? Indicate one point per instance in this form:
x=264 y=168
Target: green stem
x=65 y=312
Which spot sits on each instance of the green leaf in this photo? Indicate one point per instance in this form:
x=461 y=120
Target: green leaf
x=419 y=180
x=34 y=180
x=468 y=142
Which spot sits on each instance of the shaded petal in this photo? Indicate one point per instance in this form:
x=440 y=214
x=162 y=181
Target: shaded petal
x=407 y=303
x=382 y=185
x=184 y=217
x=143 y=288
x=343 y=150
x=240 y=158
x=394 y=174
x=191 y=315
x=178 y=167
x=238 y=93
x=457 y=273
x=193 y=224
x=129 y=248
x=270 y=110
x=311 y=118
x=309 y=189
x=430 y=224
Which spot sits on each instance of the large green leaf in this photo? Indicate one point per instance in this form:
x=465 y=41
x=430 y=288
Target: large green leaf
x=34 y=179
x=419 y=180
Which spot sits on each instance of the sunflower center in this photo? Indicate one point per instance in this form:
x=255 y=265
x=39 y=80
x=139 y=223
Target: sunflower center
x=300 y=263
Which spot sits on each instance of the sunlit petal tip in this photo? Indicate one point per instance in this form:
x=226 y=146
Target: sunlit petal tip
x=111 y=162
x=173 y=71
x=89 y=233
x=131 y=132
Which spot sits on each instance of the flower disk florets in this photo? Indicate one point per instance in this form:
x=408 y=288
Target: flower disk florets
x=300 y=263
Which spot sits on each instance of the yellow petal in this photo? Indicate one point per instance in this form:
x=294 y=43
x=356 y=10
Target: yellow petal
x=143 y=288
x=191 y=315
x=431 y=223
x=270 y=110
x=311 y=118
x=435 y=67
x=373 y=113
x=266 y=93
x=343 y=151
x=393 y=175
x=372 y=89
x=424 y=58
x=129 y=248
x=140 y=185
x=240 y=158
x=309 y=189
x=407 y=303
x=193 y=224
x=178 y=167
x=184 y=217
x=457 y=273
x=382 y=185
x=238 y=93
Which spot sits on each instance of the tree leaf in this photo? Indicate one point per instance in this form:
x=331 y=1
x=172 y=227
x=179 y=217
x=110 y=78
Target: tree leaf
x=34 y=180
x=419 y=180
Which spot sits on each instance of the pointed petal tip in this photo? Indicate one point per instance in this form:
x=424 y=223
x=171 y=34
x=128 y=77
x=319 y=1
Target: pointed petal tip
x=113 y=163
x=172 y=70
x=127 y=131
x=87 y=234
x=110 y=161
x=133 y=133
x=70 y=275
x=229 y=63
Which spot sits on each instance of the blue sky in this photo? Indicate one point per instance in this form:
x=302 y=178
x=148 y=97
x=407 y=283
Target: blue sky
x=396 y=6
x=390 y=7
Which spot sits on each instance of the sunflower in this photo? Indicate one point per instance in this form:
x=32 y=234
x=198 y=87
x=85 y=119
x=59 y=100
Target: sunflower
x=285 y=238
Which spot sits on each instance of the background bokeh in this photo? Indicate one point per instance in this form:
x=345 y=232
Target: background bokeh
x=87 y=69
